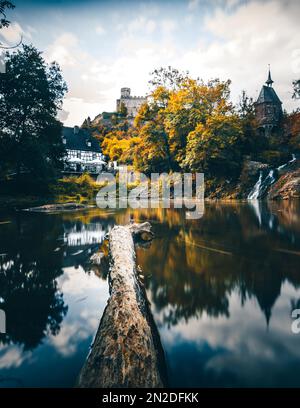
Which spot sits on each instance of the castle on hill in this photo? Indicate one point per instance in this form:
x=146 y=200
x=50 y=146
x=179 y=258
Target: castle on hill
x=132 y=103
x=268 y=109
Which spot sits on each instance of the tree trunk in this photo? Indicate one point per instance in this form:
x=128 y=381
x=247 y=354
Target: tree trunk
x=127 y=351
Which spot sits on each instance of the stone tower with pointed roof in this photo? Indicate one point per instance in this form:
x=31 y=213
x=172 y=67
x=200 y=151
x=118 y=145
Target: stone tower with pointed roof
x=268 y=107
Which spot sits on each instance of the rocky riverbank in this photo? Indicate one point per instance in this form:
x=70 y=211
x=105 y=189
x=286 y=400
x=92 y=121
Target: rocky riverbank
x=272 y=183
x=287 y=186
x=257 y=181
x=52 y=208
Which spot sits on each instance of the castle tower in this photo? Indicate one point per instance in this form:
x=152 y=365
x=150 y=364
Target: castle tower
x=132 y=103
x=268 y=107
x=125 y=92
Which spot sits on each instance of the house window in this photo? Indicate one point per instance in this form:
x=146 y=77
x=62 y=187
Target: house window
x=64 y=141
x=86 y=156
x=88 y=143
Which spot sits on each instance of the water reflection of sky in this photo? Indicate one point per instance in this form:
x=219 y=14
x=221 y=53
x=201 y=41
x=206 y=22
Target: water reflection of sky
x=57 y=360
x=221 y=288
x=240 y=351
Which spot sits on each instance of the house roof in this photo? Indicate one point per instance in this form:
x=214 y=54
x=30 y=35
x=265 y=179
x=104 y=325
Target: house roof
x=79 y=140
x=267 y=94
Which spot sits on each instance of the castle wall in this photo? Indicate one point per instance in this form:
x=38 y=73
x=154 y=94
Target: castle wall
x=132 y=104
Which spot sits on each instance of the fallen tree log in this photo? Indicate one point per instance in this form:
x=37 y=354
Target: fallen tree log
x=126 y=351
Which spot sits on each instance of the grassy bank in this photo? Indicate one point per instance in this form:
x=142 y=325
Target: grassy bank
x=82 y=189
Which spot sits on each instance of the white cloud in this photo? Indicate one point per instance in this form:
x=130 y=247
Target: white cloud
x=100 y=30
x=65 y=50
x=232 y=3
x=193 y=4
x=236 y=41
x=63 y=115
x=150 y=26
x=139 y=25
x=12 y=35
x=168 y=26
x=245 y=42
x=79 y=110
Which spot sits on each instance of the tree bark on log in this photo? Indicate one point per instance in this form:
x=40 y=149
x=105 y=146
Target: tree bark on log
x=127 y=351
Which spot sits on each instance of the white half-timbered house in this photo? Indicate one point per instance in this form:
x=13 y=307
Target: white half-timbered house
x=83 y=151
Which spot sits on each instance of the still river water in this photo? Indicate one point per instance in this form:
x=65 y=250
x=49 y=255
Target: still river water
x=222 y=289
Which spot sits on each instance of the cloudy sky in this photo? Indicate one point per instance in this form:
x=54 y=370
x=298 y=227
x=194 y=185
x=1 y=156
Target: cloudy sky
x=105 y=45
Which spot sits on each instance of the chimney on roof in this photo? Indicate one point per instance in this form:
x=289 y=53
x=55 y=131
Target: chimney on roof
x=76 y=130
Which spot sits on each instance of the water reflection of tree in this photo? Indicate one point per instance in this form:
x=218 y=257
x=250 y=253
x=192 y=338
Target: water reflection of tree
x=28 y=286
x=196 y=265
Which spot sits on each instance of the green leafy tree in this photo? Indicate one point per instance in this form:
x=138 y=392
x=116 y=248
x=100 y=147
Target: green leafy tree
x=31 y=93
x=214 y=147
x=186 y=124
x=152 y=153
x=253 y=141
x=123 y=110
x=193 y=103
x=246 y=106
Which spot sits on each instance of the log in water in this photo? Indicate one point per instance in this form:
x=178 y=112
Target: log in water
x=126 y=351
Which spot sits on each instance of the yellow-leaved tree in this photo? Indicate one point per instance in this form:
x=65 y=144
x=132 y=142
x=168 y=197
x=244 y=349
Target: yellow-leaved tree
x=185 y=124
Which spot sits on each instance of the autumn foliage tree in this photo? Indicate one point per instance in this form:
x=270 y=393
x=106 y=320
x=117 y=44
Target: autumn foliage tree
x=120 y=144
x=189 y=112
x=186 y=124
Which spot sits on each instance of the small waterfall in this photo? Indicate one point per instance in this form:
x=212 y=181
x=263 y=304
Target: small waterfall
x=262 y=185
x=254 y=193
x=289 y=162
